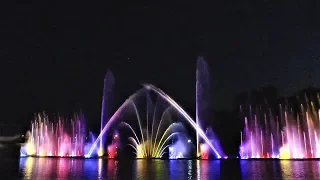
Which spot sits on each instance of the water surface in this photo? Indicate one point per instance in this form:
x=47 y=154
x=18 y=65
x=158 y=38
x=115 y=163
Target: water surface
x=64 y=168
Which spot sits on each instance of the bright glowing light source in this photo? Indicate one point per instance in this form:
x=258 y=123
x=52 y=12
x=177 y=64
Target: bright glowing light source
x=112 y=150
x=30 y=148
x=100 y=152
x=284 y=153
x=140 y=152
x=204 y=150
x=189 y=140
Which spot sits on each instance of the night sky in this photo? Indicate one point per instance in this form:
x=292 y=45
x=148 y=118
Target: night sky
x=54 y=56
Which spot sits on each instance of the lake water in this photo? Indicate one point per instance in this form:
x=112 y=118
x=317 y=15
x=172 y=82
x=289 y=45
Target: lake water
x=63 y=168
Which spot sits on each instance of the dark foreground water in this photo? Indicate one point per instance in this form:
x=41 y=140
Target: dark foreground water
x=63 y=168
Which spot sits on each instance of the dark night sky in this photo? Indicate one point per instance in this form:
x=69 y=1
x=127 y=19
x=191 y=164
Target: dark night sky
x=54 y=56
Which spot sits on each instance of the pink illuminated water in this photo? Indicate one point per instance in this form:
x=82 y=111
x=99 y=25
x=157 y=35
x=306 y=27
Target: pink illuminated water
x=113 y=147
x=287 y=136
x=60 y=138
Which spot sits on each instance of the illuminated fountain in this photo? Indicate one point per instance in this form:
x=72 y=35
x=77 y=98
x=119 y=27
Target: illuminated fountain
x=260 y=137
x=202 y=109
x=205 y=151
x=201 y=100
x=217 y=151
x=155 y=145
x=155 y=133
x=63 y=138
x=90 y=140
x=290 y=135
x=180 y=148
x=106 y=100
x=67 y=138
x=141 y=150
x=113 y=147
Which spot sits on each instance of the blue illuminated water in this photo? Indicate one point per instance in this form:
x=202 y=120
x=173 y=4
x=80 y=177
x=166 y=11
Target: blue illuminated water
x=63 y=168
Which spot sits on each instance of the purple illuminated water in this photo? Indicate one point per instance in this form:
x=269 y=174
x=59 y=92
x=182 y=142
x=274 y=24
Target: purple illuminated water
x=290 y=135
x=202 y=111
x=106 y=102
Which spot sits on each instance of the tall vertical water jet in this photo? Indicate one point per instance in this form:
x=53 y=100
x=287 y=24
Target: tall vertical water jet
x=106 y=98
x=202 y=101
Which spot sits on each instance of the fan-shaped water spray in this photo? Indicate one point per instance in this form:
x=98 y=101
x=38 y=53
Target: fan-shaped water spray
x=139 y=149
x=186 y=116
x=153 y=146
x=154 y=132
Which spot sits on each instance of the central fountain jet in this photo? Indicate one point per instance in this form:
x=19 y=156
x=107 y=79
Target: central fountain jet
x=187 y=117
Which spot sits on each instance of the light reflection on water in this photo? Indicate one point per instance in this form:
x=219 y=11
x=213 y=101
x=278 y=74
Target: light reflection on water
x=63 y=168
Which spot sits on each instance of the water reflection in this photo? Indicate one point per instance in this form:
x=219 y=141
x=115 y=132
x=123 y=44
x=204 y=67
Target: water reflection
x=64 y=168
x=190 y=168
x=141 y=169
x=259 y=170
x=178 y=169
x=160 y=169
x=112 y=166
x=208 y=169
x=28 y=164
x=300 y=169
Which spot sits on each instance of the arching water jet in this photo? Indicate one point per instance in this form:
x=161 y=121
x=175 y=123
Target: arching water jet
x=188 y=118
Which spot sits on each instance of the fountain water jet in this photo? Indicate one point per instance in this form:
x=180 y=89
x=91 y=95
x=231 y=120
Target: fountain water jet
x=55 y=139
x=187 y=117
x=140 y=149
x=107 y=90
x=149 y=145
x=180 y=148
x=202 y=108
x=113 y=147
x=292 y=134
x=106 y=127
